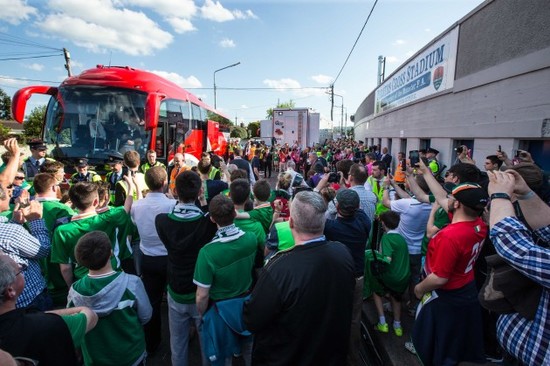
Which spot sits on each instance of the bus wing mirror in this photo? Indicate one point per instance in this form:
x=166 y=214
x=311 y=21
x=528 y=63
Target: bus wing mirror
x=19 y=101
x=152 y=109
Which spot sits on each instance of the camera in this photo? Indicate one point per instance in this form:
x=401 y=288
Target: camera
x=333 y=177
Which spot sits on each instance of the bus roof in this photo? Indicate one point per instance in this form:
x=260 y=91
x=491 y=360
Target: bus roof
x=130 y=78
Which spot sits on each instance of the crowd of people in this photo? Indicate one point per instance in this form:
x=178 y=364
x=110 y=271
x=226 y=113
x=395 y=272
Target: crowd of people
x=276 y=274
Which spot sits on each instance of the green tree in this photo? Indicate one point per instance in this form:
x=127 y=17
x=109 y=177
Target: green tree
x=5 y=106
x=33 y=125
x=253 y=128
x=290 y=104
x=220 y=119
x=238 y=132
x=5 y=132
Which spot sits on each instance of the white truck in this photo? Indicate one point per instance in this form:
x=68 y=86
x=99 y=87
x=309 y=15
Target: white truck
x=291 y=126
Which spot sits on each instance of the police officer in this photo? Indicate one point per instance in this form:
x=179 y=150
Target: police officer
x=433 y=163
x=83 y=174
x=32 y=164
x=152 y=161
x=116 y=162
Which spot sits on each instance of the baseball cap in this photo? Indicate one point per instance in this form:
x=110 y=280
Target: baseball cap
x=37 y=144
x=471 y=195
x=348 y=202
x=81 y=163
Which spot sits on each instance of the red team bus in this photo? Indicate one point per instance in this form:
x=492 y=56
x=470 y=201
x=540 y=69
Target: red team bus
x=115 y=109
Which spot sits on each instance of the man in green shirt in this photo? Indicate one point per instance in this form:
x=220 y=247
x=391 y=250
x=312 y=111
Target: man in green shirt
x=85 y=199
x=224 y=271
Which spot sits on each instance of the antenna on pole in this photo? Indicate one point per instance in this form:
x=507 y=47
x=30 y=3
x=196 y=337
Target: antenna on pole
x=67 y=56
x=110 y=58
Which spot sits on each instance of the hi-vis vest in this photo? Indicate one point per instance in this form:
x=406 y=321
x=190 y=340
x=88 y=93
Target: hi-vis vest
x=286 y=240
x=378 y=191
x=140 y=177
x=212 y=173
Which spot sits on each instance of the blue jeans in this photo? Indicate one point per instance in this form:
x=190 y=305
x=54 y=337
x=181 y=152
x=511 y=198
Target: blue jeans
x=180 y=317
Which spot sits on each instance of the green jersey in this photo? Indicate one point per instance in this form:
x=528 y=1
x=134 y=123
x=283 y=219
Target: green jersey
x=254 y=227
x=66 y=236
x=262 y=214
x=53 y=211
x=225 y=264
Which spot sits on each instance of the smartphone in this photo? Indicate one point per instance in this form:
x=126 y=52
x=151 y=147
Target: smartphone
x=388 y=171
x=414 y=157
x=517 y=153
x=499 y=148
x=404 y=165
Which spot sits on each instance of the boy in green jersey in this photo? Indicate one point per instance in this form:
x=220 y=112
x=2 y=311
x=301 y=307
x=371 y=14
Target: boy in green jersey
x=85 y=199
x=54 y=212
x=262 y=212
x=395 y=278
x=120 y=301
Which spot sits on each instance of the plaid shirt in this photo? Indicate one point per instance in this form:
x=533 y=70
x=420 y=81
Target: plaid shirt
x=25 y=248
x=527 y=340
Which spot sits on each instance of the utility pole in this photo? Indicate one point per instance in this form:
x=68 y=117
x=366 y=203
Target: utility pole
x=67 y=61
x=332 y=102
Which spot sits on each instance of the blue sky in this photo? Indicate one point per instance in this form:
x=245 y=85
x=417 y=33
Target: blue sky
x=281 y=44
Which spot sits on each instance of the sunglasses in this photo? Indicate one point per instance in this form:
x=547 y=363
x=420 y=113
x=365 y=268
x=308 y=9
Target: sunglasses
x=22 y=268
x=19 y=178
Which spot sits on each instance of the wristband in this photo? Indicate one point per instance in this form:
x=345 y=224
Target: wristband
x=526 y=196
x=500 y=195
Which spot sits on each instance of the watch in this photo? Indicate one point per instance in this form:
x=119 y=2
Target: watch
x=501 y=195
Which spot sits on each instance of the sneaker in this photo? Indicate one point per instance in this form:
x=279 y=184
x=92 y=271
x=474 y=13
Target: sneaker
x=409 y=346
x=384 y=328
x=398 y=331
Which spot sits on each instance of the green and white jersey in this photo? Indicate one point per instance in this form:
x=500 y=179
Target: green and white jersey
x=66 y=236
x=53 y=210
x=225 y=264
x=254 y=227
x=262 y=214
x=120 y=301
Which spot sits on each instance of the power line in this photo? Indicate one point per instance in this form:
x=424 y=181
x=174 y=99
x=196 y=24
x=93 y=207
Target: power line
x=357 y=40
x=262 y=88
x=20 y=41
x=29 y=57
x=25 y=79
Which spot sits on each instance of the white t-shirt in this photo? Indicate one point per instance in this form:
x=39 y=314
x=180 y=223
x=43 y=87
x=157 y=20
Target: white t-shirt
x=414 y=217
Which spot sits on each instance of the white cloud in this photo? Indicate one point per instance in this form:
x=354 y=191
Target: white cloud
x=34 y=67
x=98 y=25
x=190 y=82
x=177 y=13
x=244 y=106
x=427 y=30
x=392 y=59
x=322 y=79
x=15 y=11
x=293 y=86
x=214 y=10
x=399 y=42
x=227 y=43
x=181 y=25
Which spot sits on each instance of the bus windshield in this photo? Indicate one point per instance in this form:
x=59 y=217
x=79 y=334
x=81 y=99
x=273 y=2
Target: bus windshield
x=94 y=122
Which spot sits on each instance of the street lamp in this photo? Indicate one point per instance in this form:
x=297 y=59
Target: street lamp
x=223 y=68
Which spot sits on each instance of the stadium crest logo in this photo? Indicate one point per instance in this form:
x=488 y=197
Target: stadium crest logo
x=438 y=77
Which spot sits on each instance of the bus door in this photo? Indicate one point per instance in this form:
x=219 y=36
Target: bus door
x=175 y=116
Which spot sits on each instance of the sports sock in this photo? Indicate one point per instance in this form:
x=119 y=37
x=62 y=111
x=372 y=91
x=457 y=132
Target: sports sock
x=382 y=320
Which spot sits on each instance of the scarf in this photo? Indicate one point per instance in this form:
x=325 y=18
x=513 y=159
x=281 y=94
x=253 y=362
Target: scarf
x=185 y=212
x=227 y=233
